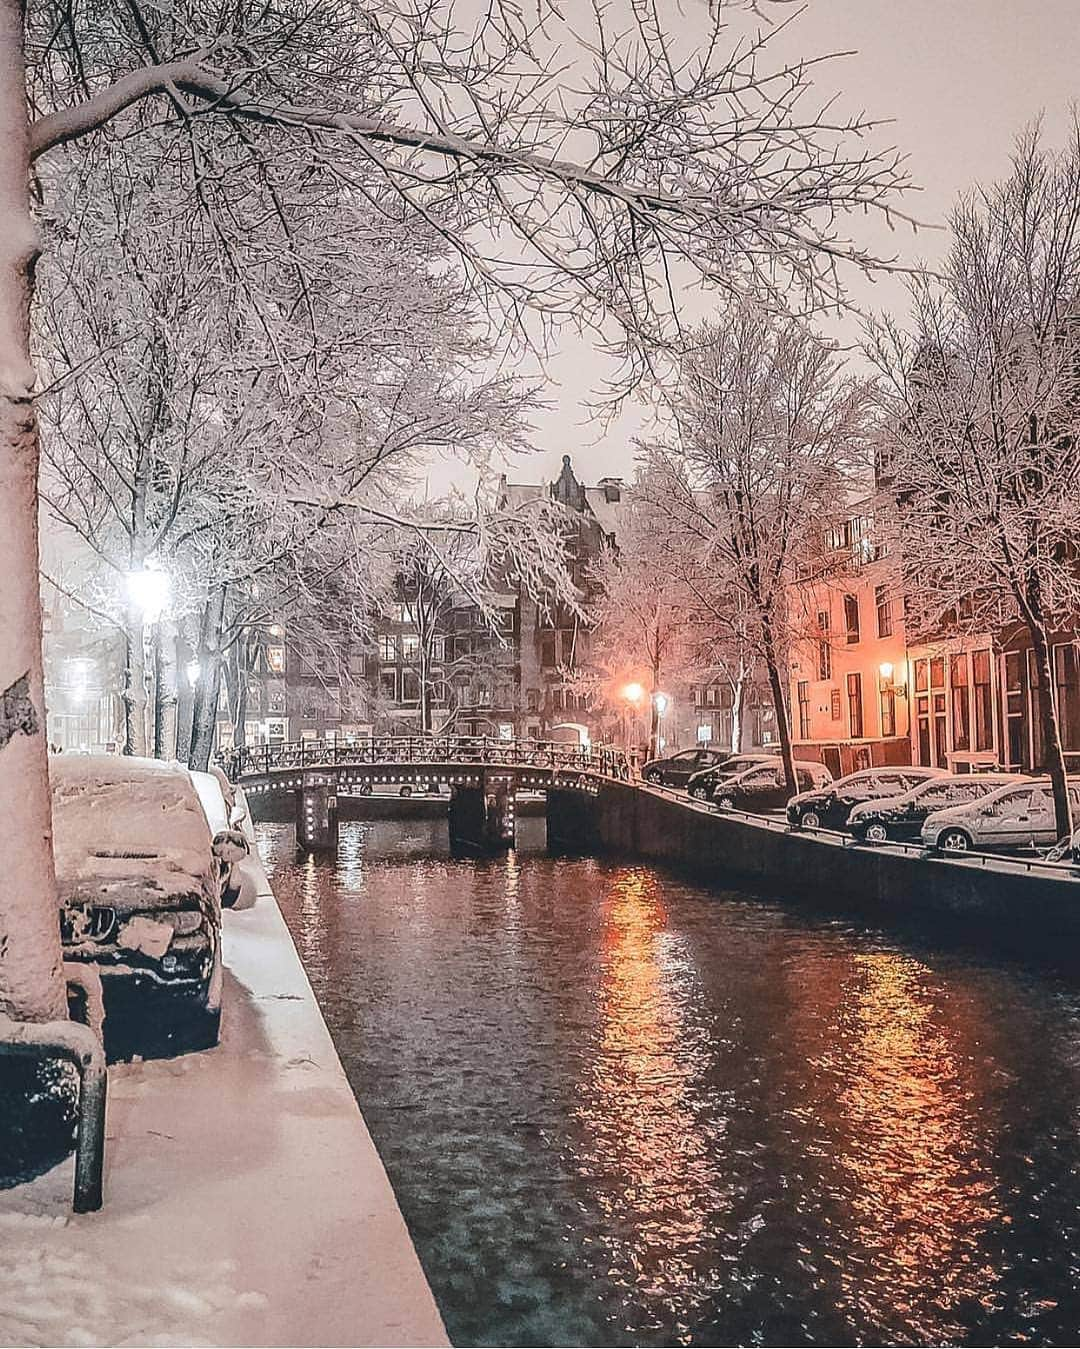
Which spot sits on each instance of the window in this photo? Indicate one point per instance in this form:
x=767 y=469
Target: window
x=410 y=686
x=483 y=696
x=388 y=684
x=1068 y=695
x=547 y=650
x=387 y=648
x=438 y=648
x=710 y=696
x=961 y=706
x=884 y=611
x=835 y=708
x=824 y=649
x=855 y=708
x=851 y=618
x=410 y=646
x=984 y=707
x=275 y=659
x=532 y=700
x=888 y=711
x=804 y=710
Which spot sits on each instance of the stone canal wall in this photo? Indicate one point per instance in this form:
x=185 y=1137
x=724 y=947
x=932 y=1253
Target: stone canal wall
x=1029 y=904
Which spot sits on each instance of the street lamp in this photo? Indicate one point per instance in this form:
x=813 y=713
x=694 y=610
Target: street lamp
x=148 y=590
x=661 y=702
x=633 y=694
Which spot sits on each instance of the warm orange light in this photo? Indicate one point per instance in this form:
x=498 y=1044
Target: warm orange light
x=633 y=693
x=885 y=669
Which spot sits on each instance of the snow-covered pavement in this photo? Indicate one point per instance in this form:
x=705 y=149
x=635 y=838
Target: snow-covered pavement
x=245 y=1203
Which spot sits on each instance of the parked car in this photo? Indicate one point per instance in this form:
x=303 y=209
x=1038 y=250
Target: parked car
x=901 y=817
x=763 y=787
x=828 y=807
x=677 y=769
x=1019 y=815
x=140 y=897
x=704 y=783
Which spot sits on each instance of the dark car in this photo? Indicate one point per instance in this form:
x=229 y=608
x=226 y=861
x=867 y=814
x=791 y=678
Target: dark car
x=900 y=818
x=140 y=888
x=829 y=806
x=702 y=786
x=763 y=787
x=677 y=769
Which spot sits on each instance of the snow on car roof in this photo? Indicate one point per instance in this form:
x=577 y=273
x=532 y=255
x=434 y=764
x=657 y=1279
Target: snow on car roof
x=126 y=829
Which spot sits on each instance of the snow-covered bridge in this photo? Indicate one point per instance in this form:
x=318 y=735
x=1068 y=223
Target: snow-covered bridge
x=483 y=775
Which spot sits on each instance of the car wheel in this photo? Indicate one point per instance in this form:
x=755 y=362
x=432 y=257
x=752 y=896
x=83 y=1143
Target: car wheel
x=699 y=793
x=726 y=802
x=810 y=819
x=876 y=833
x=954 y=840
x=654 y=778
x=405 y=791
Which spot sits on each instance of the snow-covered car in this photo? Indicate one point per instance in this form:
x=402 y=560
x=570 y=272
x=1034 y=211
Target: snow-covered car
x=900 y=818
x=1018 y=815
x=830 y=807
x=240 y=874
x=763 y=787
x=140 y=897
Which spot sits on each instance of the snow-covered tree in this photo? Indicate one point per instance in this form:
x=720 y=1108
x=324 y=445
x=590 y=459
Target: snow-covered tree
x=770 y=432
x=981 y=399
x=572 y=203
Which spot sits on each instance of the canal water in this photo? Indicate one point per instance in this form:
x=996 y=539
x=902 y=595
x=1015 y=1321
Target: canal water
x=620 y=1109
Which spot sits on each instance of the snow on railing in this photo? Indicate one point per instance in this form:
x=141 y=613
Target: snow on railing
x=382 y=751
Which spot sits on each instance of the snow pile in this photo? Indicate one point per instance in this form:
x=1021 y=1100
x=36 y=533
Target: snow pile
x=124 y=827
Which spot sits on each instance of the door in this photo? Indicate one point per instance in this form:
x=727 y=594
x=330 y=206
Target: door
x=1006 y=822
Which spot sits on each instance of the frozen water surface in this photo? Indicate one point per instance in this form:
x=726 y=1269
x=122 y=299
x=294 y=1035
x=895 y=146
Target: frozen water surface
x=620 y=1109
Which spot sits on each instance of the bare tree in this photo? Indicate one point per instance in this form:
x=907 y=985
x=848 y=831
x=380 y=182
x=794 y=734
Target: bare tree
x=770 y=433
x=641 y=616
x=981 y=399
x=709 y=164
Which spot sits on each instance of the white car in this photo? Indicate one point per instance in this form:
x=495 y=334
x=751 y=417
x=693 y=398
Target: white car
x=1020 y=815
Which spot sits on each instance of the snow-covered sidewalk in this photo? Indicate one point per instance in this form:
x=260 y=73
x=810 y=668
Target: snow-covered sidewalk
x=245 y=1203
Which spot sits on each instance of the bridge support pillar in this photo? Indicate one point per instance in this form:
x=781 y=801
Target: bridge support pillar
x=571 y=820
x=316 y=812
x=483 y=817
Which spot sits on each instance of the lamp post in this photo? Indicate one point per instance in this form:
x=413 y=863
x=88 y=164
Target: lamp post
x=632 y=694
x=148 y=592
x=660 y=702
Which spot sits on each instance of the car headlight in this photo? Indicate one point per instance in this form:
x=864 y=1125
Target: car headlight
x=184 y=922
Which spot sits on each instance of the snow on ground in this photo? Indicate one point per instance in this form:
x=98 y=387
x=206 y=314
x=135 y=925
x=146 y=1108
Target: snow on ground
x=245 y=1203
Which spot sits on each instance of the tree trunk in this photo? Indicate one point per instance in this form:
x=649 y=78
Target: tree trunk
x=738 y=694
x=166 y=690
x=204 y=715
x=776 y=685
x=134 y=695
x=31 y=983
x=185 y=693
x=243 y=669
x=1051 y=730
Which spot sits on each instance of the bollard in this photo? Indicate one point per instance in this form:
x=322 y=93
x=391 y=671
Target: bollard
x=79 y=1045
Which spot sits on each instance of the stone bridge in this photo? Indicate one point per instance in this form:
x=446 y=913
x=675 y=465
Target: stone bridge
x=483 y=774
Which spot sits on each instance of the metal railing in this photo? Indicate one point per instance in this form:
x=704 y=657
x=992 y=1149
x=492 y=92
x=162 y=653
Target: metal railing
x=382 y=751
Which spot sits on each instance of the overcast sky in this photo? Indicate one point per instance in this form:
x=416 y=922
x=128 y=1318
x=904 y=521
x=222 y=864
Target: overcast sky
x=957 y=78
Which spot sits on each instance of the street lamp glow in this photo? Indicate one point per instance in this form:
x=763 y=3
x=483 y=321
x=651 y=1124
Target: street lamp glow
x=885 y=669
x=633 y=693
x=193 y=670
x=149 y=591
x=661 y=700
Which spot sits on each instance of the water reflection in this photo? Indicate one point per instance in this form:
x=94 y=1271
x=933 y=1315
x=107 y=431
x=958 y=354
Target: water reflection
x=617 y=1109
x=917 y=1144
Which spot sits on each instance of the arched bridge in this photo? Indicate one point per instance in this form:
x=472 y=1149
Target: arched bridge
x=483 y=774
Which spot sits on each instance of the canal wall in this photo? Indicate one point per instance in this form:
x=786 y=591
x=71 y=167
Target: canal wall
x=1029 y=904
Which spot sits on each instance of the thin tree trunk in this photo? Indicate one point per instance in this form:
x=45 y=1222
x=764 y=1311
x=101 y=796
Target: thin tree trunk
x=31 y=983
x=204 y=716
x=738 y=694
x=166 y=690
x=185 y=693
x=134 y=695
x=776 y=685
x=242 y=665
x=1053 y=750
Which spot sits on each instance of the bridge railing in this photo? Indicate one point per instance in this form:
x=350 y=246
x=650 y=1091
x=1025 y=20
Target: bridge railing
x=376 y=751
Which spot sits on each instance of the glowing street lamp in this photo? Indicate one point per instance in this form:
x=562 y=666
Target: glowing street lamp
x=193 y=670
x=633 y=693
x=148 y=591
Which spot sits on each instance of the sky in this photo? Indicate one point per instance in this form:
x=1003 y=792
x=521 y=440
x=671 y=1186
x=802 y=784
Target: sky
x=956 y=79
